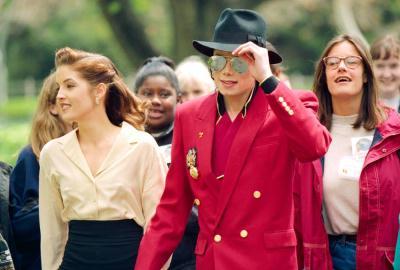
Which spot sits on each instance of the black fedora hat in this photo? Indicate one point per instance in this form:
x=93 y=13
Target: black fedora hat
x=235 y=27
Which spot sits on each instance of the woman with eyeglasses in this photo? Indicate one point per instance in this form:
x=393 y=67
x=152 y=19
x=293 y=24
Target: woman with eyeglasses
x=356 y=185
x=233 y=155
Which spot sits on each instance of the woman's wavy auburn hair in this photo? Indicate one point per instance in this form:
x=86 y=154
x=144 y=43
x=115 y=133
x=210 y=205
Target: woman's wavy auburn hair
x=46 y=125
x=121 y=104
x=370 y=113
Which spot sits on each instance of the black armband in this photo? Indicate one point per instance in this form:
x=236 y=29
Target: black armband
x=269 y=84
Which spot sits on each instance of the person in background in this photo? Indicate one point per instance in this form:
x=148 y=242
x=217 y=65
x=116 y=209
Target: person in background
x=6 y=236
x=385 y=53
x=233 y=156
x=355 y=186
x=277 y=69
x=6 y=261
x=194 y=78
x=47 y=124
x=157 y=84
x=101 y=182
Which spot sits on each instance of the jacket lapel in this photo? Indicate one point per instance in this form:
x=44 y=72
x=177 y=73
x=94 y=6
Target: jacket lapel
x=72 y=149
x=205 y=126
x=254 y=119
x=386 y=139
x=127 y=136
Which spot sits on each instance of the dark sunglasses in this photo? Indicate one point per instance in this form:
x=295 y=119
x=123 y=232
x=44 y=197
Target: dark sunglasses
x=218 y=62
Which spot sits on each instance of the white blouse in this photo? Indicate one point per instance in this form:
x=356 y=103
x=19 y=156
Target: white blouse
x=342 y=169
x=128 y=185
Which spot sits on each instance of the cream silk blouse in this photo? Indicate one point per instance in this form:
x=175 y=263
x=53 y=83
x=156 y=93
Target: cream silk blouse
x=128 y=185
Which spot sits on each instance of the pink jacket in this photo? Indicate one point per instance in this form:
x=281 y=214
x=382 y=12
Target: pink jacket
x=379 y=205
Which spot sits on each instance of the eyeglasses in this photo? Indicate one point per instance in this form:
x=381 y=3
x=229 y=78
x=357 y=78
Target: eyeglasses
x=218 y=62
x=333 y=62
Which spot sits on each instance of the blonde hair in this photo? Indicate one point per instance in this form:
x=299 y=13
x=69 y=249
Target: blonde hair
x=193 y=67
x=46 y=125
x=120 y=103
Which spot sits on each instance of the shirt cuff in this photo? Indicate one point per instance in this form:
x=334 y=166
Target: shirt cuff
x=269 y=84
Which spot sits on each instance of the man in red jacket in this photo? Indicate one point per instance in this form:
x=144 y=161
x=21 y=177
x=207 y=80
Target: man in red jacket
x=233 y=155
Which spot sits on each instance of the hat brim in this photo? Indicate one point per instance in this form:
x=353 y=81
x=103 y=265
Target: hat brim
x=207 y=48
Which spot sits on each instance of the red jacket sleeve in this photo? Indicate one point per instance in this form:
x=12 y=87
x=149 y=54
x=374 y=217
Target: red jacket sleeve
x=296 y=110
x=168 y=224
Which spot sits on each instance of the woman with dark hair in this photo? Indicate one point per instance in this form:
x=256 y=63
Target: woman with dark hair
x=157 y=84
x=233 y=156
x=356 y=184
x=100 y=183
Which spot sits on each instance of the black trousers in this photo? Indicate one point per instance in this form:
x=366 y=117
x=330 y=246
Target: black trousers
x=102 y=245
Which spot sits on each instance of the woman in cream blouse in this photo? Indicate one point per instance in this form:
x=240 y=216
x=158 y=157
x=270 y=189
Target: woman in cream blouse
x=99 y=184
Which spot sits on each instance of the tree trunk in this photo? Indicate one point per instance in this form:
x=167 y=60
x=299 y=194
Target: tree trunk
x=4 y=30
x=345 y=19
x=195 y=19
x=128 y=29
x=191 y=19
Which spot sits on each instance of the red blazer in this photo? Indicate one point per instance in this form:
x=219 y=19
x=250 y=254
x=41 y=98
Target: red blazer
x=250 y=224
x=379 y=205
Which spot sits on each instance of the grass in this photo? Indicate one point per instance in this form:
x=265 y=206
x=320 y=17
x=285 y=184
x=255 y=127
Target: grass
x=17 y=109
x=13 y=137
x=15 y=117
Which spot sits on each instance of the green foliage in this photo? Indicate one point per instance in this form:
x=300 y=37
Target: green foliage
x=300 y=32
x=156 y=18
x=300 y=35
x=79 y=24
x=23 y=44
x=5 y=4
x=391 y=12
x=141 y=6
x=114 y=7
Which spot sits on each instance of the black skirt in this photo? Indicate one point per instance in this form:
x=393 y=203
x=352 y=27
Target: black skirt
x=102 y=245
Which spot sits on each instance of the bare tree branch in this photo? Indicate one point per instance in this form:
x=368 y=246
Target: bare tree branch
x=345 y=19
